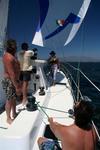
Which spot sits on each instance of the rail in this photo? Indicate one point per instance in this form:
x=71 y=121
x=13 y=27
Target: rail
x=84 y=76
x=68 y=74
x=66 y=71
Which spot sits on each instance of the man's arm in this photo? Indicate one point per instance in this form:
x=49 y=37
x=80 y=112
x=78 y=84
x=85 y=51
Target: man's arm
x=55 y=127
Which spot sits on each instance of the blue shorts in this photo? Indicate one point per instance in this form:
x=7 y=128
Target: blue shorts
x=49 y=145
x=25 y=76
x=9 y=88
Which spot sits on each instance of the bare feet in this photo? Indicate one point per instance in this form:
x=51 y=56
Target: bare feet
x=53 y=83
x=15 y=115
x=9 y=120
x=24 y=102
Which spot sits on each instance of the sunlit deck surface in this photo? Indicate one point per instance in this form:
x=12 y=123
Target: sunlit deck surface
x=22 y=134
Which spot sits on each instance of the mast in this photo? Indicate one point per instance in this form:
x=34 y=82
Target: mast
x=4 y=6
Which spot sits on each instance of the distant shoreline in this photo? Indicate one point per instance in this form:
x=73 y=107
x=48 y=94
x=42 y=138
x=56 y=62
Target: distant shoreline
x=74 y=59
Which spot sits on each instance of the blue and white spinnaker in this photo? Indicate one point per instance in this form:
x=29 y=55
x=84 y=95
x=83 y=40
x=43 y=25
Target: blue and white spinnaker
x=48 y=33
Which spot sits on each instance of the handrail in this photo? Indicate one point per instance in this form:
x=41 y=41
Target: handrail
x=66 y=70
x=84 y=76
x=96 y=130
x=82 y=96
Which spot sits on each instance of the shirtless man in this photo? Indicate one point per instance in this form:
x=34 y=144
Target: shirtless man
x=10 y=82
x=78 y=136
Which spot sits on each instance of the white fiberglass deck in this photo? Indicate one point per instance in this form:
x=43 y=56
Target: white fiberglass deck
x=60 y=99
x=22 y=134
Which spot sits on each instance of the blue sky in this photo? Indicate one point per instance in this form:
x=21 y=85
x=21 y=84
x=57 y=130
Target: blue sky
x=85 y=43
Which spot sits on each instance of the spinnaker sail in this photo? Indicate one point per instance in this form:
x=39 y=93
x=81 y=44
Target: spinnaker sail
x=72 y=12
x=81 y=14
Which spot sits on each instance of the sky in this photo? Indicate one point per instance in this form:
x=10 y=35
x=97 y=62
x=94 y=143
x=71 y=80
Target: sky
x=86 y=42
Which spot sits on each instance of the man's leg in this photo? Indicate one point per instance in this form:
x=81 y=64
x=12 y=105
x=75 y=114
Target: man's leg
x=8 y=106
x=25 y=91
x=13 y=108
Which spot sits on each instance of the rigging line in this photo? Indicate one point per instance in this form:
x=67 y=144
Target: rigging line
x=96 y=130
x=90 y=81
x=82 y=96
x=78 y=82
x=71 y=66
x=81 y=50
x=72 y=79
x=86 y=77
x=42 y=110
x=54 y=109
x=67 y=74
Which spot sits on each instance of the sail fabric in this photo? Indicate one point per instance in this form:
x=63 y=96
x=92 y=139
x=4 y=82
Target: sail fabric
x=72 y=18
x=43 y=5
x=3 y=20
x=82 y=14
x=72 y=13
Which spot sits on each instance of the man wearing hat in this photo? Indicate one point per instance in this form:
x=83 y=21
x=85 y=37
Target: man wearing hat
x=53 y=62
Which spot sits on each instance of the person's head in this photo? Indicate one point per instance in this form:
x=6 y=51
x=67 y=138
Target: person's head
x=24 y=46
x=35 y=49
x=11 y=46
x=83 y=112
x=52 y=53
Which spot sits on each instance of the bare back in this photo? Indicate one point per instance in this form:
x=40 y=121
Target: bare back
x=11 y=66
x=75 y=138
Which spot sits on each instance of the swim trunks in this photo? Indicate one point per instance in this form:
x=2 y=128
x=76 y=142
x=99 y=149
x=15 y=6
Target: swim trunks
x=49 y=145
x=25 y=76
x=9 y=88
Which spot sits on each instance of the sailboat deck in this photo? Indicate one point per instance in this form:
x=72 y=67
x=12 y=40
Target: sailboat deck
x=59 y=103
x=61 y=100
x=27 y=126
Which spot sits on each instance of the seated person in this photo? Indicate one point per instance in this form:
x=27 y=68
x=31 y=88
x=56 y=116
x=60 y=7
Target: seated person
x=79 y=136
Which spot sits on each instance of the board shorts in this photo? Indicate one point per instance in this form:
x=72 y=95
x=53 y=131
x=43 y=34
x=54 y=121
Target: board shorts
x=49 y=145
x=25 y=76
x=9 y=89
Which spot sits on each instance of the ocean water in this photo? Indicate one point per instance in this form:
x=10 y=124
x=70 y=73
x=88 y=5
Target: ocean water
x=92 y=71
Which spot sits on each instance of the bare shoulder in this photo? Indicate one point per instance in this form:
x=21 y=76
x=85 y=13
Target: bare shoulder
x=63 y=128
x=69 y=130
x=8 y=57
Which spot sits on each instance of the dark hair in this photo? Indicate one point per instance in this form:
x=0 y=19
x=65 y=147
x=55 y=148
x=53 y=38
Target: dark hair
x=83 y=112
x=35 y=49
x=52 y=53
x=11 y=46
x=24 y=46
